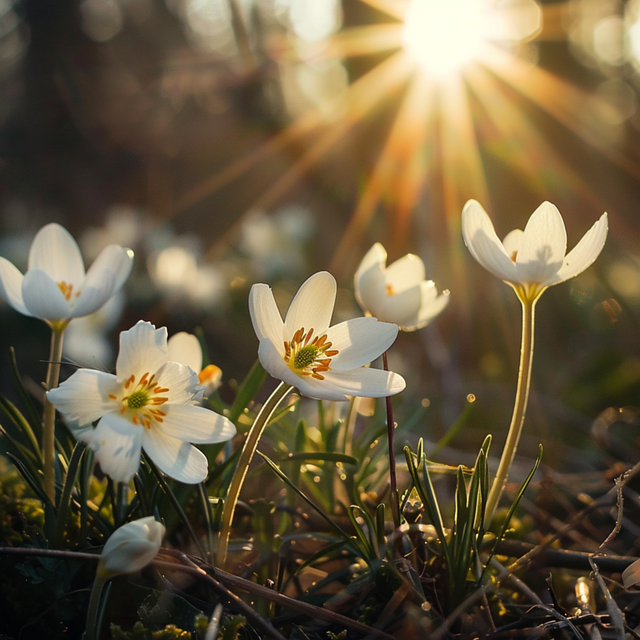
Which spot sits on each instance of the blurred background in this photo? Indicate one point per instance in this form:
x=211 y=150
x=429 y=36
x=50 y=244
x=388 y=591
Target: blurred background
x=238 y=141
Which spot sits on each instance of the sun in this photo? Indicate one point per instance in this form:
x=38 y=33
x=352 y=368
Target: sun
x=443 y=37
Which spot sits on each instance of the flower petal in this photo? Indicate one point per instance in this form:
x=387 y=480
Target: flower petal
x=370 y=290
x=359 y=341
x=512 y=243
x=42 y=296
x=11 y=286
x=116 y=259
x=365 y=382
x=265 y=317
x=94 y=294
x=483 y=243
x=117 y=446
x=143 y=348
x=432 y=305
x=375 y=257
x=312 y=306
x=56 y=252
x=405 y=273
x=544 y=244
x=274 y=364
x=196 y=424
x=185 y=348
x=177 y=459
x=585 y=252
x=182 y=382
x=84 y=397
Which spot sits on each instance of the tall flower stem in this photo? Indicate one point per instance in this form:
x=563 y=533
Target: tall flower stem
x=520 y=405
x=391 y=429
x=246 y=455
x=49 y=414
x=92 y=630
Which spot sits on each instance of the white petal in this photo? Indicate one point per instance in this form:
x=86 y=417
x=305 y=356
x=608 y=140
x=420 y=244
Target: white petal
x=117 y=444
x=370 y=290
x=375 y=257
x=544 y=244
x=196 y=424
x=431 y=306
x=401 y=308
x=182 y=382
x=56 y=252
x=143 y=348
x=42 y=296
x=84 y=397
x=359 y=341
x=185 y=348
x=366 y=382
x=312 y=306
x=585 y=252
x=512 y=243
x=11 y=286
x=116 y=259
x=94 y=294
x=405 y=273
x=483 y=243
x=265 y=317
x=321 y=389
x=274 y=364
x=177 y=459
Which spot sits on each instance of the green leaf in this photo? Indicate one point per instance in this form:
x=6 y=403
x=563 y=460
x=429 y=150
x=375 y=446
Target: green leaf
x=65 y=496
x=247 y=391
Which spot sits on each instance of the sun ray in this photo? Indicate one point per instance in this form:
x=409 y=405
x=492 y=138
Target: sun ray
x=394 y=8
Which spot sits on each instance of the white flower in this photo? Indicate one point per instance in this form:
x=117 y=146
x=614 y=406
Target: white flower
x=322 y=362
x=149 y=403
x=131 y=547
x=533 y=259
x=55 y=287
x=185 y=348
x=397 y=293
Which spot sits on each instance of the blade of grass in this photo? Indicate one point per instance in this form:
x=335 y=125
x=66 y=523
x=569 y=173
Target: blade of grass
x=65 y=496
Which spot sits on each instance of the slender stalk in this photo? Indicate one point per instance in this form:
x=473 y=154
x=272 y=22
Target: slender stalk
x=519 y=408
x=49 y=414
x=92 y=630
x=246 y=455
x=391 y=430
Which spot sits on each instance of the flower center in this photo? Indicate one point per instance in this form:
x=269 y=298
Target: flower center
x=309 y=356
x=67 y=289
x=389 y=290
x=141 y=398
x=514 y=255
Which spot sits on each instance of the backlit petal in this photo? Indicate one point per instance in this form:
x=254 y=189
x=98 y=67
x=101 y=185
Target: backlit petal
x=432 y=305
x=366 y=382
x=11 y=286
x=585 y=252
x=405 y=273
x=483 y=243
x=143 y=348
x=196 y=424
x=265 y=317
x=177 y=459
x=359 y=341
x=376 y=256
x=185 y=348
x=312 y=306
x=370 y=289
x=512 y=243
x=114 y=258
x=544 y=244
x=42 y=296
x=94 y=295
x=84 y=397
x=182 y=382
x=402 y=308
x=274 y=364
x=117 y=446
x=56 y=252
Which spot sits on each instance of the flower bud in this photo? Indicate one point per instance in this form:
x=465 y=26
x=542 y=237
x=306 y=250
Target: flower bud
x=131 y=547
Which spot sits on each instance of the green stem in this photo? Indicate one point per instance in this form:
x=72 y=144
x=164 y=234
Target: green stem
x=92 y=630
x=246 y=455
x=49 y=414
x=519 y=409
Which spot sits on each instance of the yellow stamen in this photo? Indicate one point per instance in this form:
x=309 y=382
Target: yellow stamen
x=307 y=355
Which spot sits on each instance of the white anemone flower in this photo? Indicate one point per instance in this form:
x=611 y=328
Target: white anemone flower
x=323 y=362
x=533 y=259
x=131 y=547
x=55 y=287
x=398 y=293
x=150 y=403
x=185 y=348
